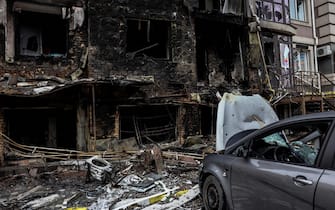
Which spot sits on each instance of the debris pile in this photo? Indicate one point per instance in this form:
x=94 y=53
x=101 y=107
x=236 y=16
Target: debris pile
x=148 y=179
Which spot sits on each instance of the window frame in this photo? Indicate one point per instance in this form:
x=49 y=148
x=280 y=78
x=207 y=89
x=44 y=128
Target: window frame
x=296 y=125
x=307 y=64
x=285 y=10
x=294 y=14
x=18 y=26
x=277 y=73
x=322 y=159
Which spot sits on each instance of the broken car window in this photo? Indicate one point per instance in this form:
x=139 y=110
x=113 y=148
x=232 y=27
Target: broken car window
x=295 y=144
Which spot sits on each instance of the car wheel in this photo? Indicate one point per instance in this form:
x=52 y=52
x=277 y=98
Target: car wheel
x=213 y=195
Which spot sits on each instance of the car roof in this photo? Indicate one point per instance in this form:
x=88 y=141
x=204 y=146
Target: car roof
x=312 y=116
x=306 y=117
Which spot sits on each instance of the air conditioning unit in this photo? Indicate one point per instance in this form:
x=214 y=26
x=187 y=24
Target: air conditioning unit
x=324 y=50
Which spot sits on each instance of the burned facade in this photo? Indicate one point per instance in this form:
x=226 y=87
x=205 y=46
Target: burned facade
x=81 y=74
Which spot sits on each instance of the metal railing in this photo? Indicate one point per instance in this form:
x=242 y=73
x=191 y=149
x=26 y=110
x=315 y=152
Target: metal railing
x=328 y=85
x=307 y=83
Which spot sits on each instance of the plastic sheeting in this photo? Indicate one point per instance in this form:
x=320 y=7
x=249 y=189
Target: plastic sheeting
x=237 y=113
x=3 y=12
x=233 y=7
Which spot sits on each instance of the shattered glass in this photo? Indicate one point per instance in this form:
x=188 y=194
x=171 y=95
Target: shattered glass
x=305 y=152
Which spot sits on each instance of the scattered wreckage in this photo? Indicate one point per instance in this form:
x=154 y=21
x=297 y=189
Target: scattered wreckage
x=150 y=178
x=159 y=176
x=156 y=177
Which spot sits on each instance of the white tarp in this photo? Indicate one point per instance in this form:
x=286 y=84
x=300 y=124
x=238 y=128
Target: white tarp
x=3 y=12
x=237 y=113
x=233 y=7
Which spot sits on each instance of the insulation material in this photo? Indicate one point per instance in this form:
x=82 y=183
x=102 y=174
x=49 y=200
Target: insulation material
x=3 y=13
x=284 y=56
x=285 y=64
x=237 y=113
x=233 y=7
x=78 y=16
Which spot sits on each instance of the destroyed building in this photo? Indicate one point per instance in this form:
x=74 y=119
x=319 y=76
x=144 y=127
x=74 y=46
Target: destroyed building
x=84 y=74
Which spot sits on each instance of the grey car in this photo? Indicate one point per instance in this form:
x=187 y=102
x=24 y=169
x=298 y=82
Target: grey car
x=289 y=164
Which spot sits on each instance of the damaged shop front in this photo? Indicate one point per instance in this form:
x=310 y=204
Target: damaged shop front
x=114 y=76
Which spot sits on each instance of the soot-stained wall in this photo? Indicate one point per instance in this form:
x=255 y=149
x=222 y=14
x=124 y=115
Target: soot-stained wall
x=109 y=57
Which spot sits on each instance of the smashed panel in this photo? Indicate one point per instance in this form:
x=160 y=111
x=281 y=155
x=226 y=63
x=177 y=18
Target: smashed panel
x=279 y=17
x=267 y=11
x=273 y=10
x=237 y=113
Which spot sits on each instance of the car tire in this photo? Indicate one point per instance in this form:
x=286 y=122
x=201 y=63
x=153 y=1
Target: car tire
x=213 y=195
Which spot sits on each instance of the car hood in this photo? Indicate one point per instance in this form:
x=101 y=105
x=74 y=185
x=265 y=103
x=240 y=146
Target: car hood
x=237 y=113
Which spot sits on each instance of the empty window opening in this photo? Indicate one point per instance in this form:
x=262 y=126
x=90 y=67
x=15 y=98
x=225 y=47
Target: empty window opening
x=208 y=120
x=148 y=123
x=217 y=52
x=41 y=34
x=269 y=53
x=42 y=127
x=149 y=37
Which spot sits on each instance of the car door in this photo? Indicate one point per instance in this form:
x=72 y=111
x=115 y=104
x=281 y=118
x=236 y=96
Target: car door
x=266 y=180
x=325 y=191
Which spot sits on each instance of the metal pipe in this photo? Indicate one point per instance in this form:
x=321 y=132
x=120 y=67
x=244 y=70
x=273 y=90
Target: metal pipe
x=94 y=120
x=315 y=42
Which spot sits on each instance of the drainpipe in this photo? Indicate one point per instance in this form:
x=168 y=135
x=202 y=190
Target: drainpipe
x=315 y=43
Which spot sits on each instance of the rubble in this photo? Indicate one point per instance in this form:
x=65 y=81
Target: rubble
x=66 y=188
x=103 y=182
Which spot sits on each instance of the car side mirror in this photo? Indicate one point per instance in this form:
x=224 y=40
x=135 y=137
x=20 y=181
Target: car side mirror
x=243 y=151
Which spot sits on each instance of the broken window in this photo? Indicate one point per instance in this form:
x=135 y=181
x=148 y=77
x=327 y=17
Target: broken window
x=291 y=144
x=273 y=10
x=149 y=37
x=297 y=10
x=277 y=53
x=41 y=34
x=148 y=123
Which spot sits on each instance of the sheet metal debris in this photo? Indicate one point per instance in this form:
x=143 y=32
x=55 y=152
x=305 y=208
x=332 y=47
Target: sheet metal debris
x=99 y=168
x=187 y=195
x=41 y=202
x=145 y=200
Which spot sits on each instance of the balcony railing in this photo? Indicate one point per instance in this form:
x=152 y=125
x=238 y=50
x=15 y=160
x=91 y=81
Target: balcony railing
x=307 y=83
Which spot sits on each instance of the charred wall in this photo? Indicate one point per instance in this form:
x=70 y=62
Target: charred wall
x=2 y=40
x=114 y=52
x=2 y=130
x=27 y=66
